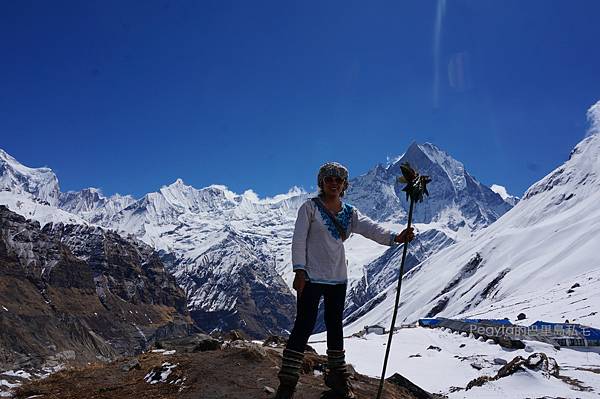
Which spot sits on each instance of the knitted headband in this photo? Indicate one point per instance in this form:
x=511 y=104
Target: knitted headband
x=332 y=169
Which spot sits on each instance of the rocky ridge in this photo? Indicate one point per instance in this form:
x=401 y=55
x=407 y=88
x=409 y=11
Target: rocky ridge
x=80 y=293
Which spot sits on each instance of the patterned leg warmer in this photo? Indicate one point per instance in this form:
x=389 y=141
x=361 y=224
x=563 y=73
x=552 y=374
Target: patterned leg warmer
x=337 y=376
x=289 y=373
x=336 y=360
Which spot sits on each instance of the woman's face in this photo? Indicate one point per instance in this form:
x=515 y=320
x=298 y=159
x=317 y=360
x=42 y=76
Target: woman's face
x=333 y=186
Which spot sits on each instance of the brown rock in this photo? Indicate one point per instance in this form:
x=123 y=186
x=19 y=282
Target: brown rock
x=81 y=290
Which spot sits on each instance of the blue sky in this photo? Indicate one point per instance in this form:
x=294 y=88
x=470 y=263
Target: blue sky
x=128 y=96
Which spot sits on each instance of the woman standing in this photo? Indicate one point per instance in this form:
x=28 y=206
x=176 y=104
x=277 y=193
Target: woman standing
x=319 y=261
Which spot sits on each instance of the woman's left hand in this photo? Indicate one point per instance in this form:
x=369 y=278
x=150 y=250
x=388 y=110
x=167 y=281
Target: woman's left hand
x=406 y=235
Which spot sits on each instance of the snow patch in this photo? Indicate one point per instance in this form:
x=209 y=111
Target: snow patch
x=4 y=383
x=160 y=374
x=500 y=190
x=18 y=373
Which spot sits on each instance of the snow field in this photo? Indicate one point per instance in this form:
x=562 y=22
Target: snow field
x=439 y=371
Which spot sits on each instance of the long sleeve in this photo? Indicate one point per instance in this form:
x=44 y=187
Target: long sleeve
x=300 y=236
x=364 y=226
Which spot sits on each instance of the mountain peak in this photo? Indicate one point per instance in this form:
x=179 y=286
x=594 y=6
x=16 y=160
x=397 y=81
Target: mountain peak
x=426 y=156
x=452 y=191
x=501 y=191
x=12 y=161
x=93 y=190
x=419 y=152
x=41 y=183
x=593 y=115
x=413 y=146
x=178 y=186
x=414 y=150
x=4 y=155
x=177 y=183
x=578 y=174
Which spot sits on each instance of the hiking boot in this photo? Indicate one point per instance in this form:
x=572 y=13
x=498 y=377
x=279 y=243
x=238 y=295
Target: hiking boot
x=285 y=391
x=337 y=376
x=339 y=382
x=331 y=394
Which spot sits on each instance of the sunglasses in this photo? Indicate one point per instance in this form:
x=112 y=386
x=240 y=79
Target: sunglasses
x=331 y=179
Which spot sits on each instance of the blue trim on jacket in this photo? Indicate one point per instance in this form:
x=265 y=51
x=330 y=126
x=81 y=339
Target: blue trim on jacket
x=328 y=282
x=344 y=216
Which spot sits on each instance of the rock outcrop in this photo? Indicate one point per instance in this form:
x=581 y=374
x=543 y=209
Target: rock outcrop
x=80 y=291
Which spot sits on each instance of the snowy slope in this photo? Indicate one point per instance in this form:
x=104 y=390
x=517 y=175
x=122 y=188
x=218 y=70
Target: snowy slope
x=26 y=205
x=445 y=362
x=529 y=261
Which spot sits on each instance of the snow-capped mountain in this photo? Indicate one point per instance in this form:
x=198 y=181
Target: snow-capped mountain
x=91 y=204
x=457 y=200
x=540 y=258
x=501 y=191
x=228 y=248
x=196 y=229
x=181 y=210
x=33 y=208
x=193 y=223
x=32 y=192
x=233 y=285
x=458 y=205
x=41 y=183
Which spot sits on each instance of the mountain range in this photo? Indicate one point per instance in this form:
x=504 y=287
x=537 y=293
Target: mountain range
x=539 y=259
x=231 y=252
x=85 y=277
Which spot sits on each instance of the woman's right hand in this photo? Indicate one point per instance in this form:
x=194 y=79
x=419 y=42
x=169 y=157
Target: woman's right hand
x=299 y=282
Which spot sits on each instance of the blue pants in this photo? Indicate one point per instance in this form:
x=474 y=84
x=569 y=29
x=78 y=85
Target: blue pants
x=334 y=297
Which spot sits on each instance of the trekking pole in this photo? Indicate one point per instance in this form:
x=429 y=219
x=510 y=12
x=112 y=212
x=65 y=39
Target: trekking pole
x=416 y=187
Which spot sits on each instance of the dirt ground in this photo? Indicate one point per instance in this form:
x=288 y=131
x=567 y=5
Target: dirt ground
x=227 y=373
